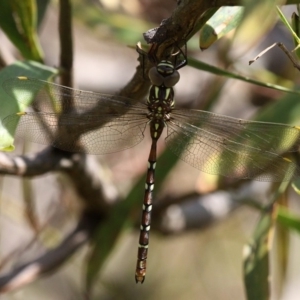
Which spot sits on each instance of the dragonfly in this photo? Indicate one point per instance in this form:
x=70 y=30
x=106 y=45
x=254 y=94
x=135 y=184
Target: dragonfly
x=95 y=123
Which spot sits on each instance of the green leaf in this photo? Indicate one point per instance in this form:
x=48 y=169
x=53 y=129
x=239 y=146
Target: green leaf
x=256 y=258
x=282 y=246
x=222 y=22
x=256 y=252
x=296 y=28
x=200 y=65
x=289 y=27
x=288 y=219
x=12 y=106
x=18 y=19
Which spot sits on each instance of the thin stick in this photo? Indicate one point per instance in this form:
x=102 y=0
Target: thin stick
x=52 y=259
x=284 y=49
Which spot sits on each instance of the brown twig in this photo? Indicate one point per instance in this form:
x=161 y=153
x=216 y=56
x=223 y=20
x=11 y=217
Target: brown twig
x=66 y=42
x=52 y=259
x=284 y=49
x=95 y=190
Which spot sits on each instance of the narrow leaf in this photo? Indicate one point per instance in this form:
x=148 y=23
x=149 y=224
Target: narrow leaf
x=296 y=28
x=256 y=258
x=288 y=219
x=200 y=65
x=288 y=26
x=18 y=21
x=222 y=22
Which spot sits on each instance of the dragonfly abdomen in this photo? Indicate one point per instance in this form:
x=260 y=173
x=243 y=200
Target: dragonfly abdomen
x=160 y=104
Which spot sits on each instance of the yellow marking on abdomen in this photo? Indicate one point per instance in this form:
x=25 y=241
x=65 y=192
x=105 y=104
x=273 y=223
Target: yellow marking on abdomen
x=167 y=93
x=156 y=91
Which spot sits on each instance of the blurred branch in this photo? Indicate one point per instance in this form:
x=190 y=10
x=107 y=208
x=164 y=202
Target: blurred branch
x=53 y=258
x=90 y=184
x=30 y=212
x=173 y=215
x=33 y=164
x=66 y=42
x=177 y=214
x=20 y=249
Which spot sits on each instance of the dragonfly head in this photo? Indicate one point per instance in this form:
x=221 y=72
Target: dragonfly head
x=164 y=74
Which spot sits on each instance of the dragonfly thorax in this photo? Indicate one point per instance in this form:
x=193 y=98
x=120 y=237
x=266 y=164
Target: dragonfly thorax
x=164 y=74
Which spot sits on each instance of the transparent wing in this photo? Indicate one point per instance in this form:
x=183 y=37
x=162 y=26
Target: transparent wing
x=232 y=147
x=71 y=119
x=51 y=97
x=273 y=137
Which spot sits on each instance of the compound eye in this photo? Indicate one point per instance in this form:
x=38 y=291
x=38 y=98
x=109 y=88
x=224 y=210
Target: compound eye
x=172 y=79
x=156 y=78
